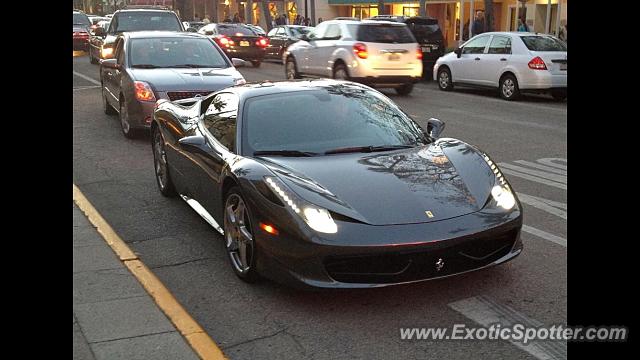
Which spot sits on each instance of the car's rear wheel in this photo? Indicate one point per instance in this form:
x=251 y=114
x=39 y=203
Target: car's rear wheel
x=161 y=166
x=340 y=72
x=108 y=109
x=256 y=63
x=509 y=89
x=125 y=124
x=291 y=69
x=445 y=81
x=405 y=89
x=238 y=235
x=559 y=95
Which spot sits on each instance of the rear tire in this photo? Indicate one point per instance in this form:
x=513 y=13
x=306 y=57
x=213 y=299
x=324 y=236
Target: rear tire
x=559 y=95
x=256 y=63
x=405 y=90
x=340 y=72
x=509 y=89
x=291 y=69
x=445 y=81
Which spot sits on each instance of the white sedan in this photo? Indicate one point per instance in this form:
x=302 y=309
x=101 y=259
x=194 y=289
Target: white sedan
x=512 y=62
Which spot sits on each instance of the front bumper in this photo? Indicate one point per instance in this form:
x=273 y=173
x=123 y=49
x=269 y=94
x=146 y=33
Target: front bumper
x=245 y=53
x=140 y=113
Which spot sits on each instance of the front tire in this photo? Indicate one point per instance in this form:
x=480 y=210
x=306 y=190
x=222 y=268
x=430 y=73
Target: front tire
x=405 y=90
x=92 y=58
x=509 y=89
x=238 y=235
x=291 y=69
x=445 y=81
x=161 y=166
x=108 y=109
x=256 y=63
x=125 y=123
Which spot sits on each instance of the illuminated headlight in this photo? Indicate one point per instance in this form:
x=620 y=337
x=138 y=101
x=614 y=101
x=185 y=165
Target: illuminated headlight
x=239 y=81
x=317 y=218
x=503 y=197
x=106 y=52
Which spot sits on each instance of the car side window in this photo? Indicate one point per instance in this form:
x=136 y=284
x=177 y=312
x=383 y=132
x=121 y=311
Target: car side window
x=220 y=119
x=272 y=32
x=318 y=31
x=500 y=45
x=281 y=32
x=333 y=32
x=476 y=46
x=112 y=25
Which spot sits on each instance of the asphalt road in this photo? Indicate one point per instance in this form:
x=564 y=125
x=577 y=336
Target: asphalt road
x=270 y=321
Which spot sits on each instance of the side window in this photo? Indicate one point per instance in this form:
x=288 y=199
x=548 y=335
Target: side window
x=272 y=32
x=476 y=46
x=318 y=31
x=281 y=32
x=500 y=45
x=333 y=32
x=220 y=119
x=113 y=25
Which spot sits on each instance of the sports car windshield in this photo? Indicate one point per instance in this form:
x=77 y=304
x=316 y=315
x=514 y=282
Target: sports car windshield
x=175 y=53
x=335 y=119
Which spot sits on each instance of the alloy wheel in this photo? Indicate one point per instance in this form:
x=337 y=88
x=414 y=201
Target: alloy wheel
x=238 y=236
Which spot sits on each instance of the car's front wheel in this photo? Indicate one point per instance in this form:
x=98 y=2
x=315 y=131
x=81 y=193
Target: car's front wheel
x=161 y=166
x=256 y=63
x=444 y=79
x=108 y=109
x=509 y=89
x=291 y=69
x=238 y=235
x=125 y=124
x=92 y=59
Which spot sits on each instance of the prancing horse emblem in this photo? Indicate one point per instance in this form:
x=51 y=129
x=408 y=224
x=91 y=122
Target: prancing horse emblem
x=439 y=264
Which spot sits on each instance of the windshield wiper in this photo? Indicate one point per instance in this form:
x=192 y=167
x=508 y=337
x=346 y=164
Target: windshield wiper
x=145 y=66
x=366 y=149
x=188 y=66
x=292 y=153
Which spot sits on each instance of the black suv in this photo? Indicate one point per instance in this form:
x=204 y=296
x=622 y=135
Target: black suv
x=131 y=19
x=427 y=31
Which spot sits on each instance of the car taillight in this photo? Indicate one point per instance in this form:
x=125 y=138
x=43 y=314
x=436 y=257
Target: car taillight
x=361 y=50
x=262 y=42
x=143 y=91
x=419 y=53
x=225 y=41
x=537 y=64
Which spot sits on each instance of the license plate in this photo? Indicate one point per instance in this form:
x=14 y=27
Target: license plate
x=426 y=49
x=394 y=57
x=244 y=43
x=563 y=66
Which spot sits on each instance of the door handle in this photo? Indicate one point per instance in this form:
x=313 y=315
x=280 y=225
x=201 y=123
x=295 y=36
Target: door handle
x=477 y=59
x=503 y=59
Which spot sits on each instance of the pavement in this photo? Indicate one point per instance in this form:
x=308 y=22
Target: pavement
x=113 y=315
x=270 y=321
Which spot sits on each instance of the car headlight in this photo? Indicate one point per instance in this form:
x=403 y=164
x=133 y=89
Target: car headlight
x=317 y=218
x=501 y=192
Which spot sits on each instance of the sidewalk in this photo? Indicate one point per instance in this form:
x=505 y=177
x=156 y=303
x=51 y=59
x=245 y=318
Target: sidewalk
x=113 y=316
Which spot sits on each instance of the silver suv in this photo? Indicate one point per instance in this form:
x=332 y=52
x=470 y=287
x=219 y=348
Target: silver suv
x=375 y=53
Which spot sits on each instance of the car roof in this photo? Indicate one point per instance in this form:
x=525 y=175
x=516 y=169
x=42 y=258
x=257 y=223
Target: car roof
x=516 y=33
x=254 y=89
x=144 y=10
x=161 y=34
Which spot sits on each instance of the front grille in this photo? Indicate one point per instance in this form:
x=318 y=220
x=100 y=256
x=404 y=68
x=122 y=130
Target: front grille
x=414 y=265
x=179 y=95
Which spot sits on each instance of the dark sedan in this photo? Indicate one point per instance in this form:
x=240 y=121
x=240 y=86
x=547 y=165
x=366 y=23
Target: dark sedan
x=327 y=183
x=280 y=37
x=81 y=24
x=238 y=40
x=157 y=65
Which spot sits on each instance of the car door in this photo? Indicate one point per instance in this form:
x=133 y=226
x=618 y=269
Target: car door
x=311 y=52
x=324 y=48
x=111 y=77
x=466 y=67
x=492 y=64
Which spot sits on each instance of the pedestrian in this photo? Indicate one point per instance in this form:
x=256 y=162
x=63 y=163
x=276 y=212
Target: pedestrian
x=206 y=19
x=522 y=24
x=478 y=23
x=196 y=17
x=285 y=20
x=307 y=22
x=319 y=20
x=236 y=18
x=563 y=33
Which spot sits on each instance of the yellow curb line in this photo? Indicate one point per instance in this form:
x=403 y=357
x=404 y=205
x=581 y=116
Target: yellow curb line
x=199 y=340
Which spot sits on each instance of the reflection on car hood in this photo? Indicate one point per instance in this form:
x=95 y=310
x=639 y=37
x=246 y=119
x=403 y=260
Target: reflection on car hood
x=187 y=79
x=448 y=179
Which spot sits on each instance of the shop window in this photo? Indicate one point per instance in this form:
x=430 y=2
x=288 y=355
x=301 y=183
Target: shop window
x=410 y=11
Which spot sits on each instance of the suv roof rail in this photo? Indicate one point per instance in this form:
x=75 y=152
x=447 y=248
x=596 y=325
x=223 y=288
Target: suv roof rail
x=158 y=7
x=346 y=18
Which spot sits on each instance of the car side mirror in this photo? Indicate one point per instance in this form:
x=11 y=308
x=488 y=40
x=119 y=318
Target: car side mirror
x=99 y=31
x=238 y=62
x=435 y=127
x=458 y=52
x=191 y=30
x=110 y=63
x=208 y=32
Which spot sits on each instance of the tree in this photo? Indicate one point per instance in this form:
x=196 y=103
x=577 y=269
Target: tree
x=488 y=15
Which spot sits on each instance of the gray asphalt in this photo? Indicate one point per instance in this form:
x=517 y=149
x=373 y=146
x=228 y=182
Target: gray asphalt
x=270 y=321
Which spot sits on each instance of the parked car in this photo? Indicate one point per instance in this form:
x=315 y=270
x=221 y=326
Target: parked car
x=101 y=42
x=238 y=40
x=512 y=62
x=376 y=53
x=81 y=24
x=196 y=25
x=153 y=65
x=95 y=21
x=330 y=184
x=428 y=34
x=280 y=37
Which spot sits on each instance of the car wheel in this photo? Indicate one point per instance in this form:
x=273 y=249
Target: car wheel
x=509 y=89
x=445 y=82
x=340 y=72
x=161 y=166
x=291 y=69
x=238 y=235
x=256 y=63
x=92 y=59
x=404 y=90
x=108 y=109
x=128 y=132
x=559 y=95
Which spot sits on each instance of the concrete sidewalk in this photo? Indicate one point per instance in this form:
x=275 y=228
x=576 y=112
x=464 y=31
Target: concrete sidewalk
x=113 y=316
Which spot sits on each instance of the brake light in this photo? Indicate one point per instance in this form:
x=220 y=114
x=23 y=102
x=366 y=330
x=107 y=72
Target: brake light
x=225 y=41
x=361 y=50
x=262 y=42
x=537 y=64
x=143 y=91
x=419 y=53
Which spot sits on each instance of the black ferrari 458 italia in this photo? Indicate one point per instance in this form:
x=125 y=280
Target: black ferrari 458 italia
x=324 y=183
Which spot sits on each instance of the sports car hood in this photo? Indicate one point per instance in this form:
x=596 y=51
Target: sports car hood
x=447 y=179
x=187 y=79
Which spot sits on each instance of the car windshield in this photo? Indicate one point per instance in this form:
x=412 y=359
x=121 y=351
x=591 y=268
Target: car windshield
x=544 y=43
x=233 y=30
x=299 y=31
x=176 y=53
x=81 y=19
x=332 y=119
x=384 y=33
x=151 y=20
